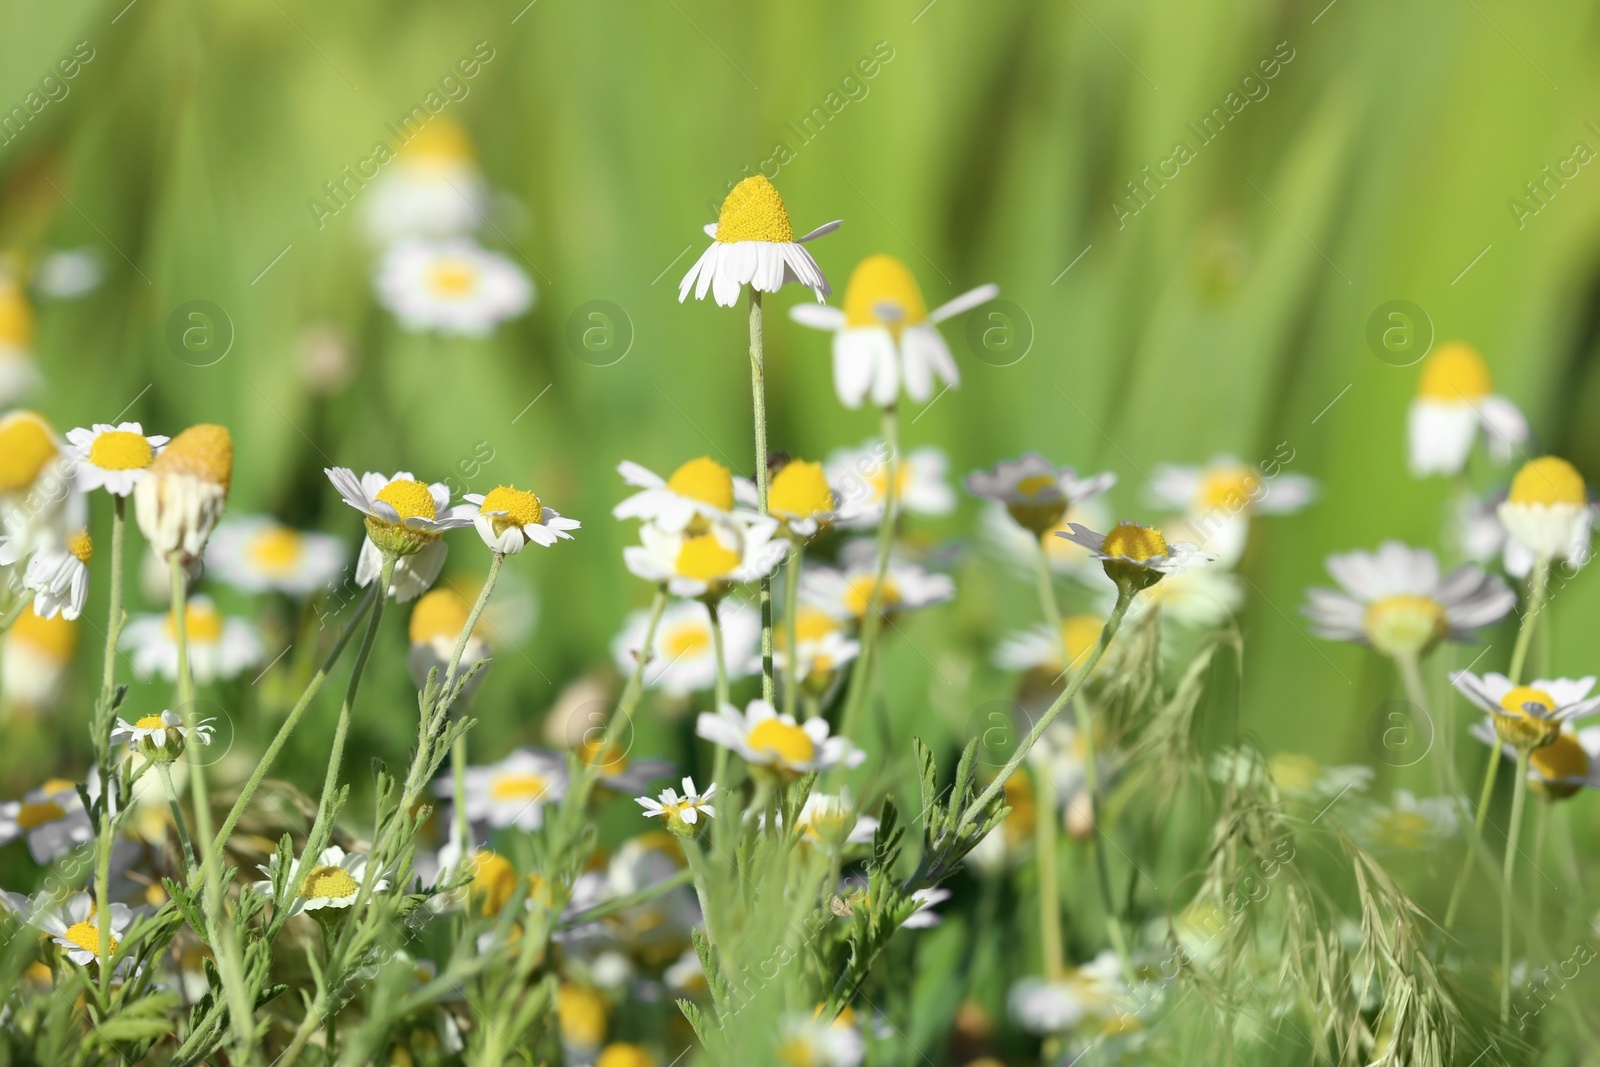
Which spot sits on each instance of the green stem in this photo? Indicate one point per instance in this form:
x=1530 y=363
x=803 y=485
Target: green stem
x=119 y=522
x=1537 y=583
x=102 y=894
x=1518 y=795
x=1541 y=830
x=758 y=392
x=14 y=613
x=447 y=696
x=1417 y=693
x=720 y=693
x=1044 y=840
x=872 y=621
x=635 y=686
x=1476 y=844
x=189 y=864
x=791 y=613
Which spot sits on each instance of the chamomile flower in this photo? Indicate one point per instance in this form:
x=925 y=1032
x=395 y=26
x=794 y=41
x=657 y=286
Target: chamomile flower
x=925 y=917
x=435 y=626
x=1134 y=556
x=860 y=478
x=1198 y=598
x=219 y=648
x=831 y=819
x=1455 y=401
x=1395 y=600
x=1220 y=498
x=452 y=286
x=1570 y=762
x=753 y=243
x=1411 y=823
x=1531 y=713
x=1035 y=492
x=698 y=491
x=509 y=519
x=885 y=335
x=19 y=374
x=404 y=518
x=848 y=592
x=433 y=188
x=739 y=548
x=514 y=791
x=181 y=496
x=1092 y=992
x=112 y=458
x=821 y=647
x=74 y=925
x=1547 y=511
x=683 y=659
x=1013 y=547
x=1040 y=647
x=59 y=577
x=333 y=880
x=768 y=740
x=812 y=1042
x=37 y=504
x=161 y=737
x=34 y=655
x=51 y=817
x=615 y=771
x=680 y=813
x=798 y=496
x=259 y=554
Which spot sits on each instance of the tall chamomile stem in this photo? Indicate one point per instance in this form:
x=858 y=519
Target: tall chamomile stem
x=719 y=771
x=1518 y=796
x=872 y=621
x=165 y=771
x=1476 y=844
x=791 y=613
x=1044 y=840
x=119 y=525
x=758 y=392
x=1538 y=582
x=1417 y=692
x=14 y=613
x=446 y=697
x=635 y=685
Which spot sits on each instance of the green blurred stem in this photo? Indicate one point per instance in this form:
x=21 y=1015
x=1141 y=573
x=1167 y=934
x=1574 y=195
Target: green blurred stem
x=165 y=771
x=1047 y=601
x=1417 y=692
x=720 y=695
x=447 y=696
x=1508 y=882
x=15 y=613
x=102 y=891
x=1541 y=832
x=1476 y=844
x=1538 y=582
x=872 y=621
x=791 y=640
x=1044 y=840
x=758 y=392
x=119 y=523
x=631 y=691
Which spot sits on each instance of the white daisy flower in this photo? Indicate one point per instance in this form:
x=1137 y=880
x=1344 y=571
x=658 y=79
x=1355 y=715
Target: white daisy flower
x=1395 y=600
x=615 y=771
x=1455 y=401
x=112 y=458
x=51 y=817
x=452 y=286
x=701 y=489
x=804 y=1039
x=434 y=628
x=34 y=656
x=509 y=519
x=753 y=243
x=59 y=577
x=766 y=739
x=1293 y=774
x=38 y=505
x=860 y=477
x=683 y=660
x=433 y=188
x=798 y=496
x=821 y=647
x=1199 y=598
x=332 y=881
x=75 y=926
x=1220 y=498
x=1570 y=762
x=1547 y=511
x=739 y=548
x=1137 y=556
x=1410 y=823
x=1014 y=547
x=847 y=592
x=514 y=791
x=1035 y=492
x=1530 y=714
x=404 y=517
x=1039 y=647
x=19 y=374
x=259 y=554
x=163 y=734
x=831 y=819
x=925 y=917
x=413 y=575
x=885 y=334
x=219 y=648
x=1093 y=992
x=680 y=813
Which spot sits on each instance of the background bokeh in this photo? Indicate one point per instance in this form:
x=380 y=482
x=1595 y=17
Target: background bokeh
x=1383 y=161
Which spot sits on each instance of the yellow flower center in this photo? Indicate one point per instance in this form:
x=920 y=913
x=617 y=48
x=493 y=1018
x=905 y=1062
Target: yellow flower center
x=1547 y=480
x=25 y=448
x=882 y=292
x=493 y=880
x=582 y=1014
x=798 y=1052
x=1228 y=490
x=799 y=491
x=81 y=547
x=204 y=451
x=688 y=639
x=754 y=211
x=524 y=786
x=411 y=499
x=202 y=622
x=622 y=1054
x=452 y=277
x=789 y=744
x=16 y=318
x=1405 y=623
x=1292 y=772
x=705 y=559
x=1516 y=701
x=440 y=141
x=120 y=450
x=810 y=624
x=705 y=480
x=1455 y=373
x=1035 y=484
x=328 y=882
x=522 y=508
x=55 y=637
x=612 y=761
x=1560 y=759
x=1080 y=633
x=1404 y=829
x=150 y=722
x=275 y=550
x=31 y=816
x=879 y=480
x=858 y=595
x=439 y=614
x=86 y=935
x=1129 y=540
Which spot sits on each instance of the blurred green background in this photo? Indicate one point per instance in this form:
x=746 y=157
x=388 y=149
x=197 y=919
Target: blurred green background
x=1225 y=315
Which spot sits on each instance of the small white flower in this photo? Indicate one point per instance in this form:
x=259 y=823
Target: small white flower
x=1411 y=824
x=740 y=548
x=798 y=496
x=74 y=925
x=1035 y=492
x=803 y=1039
x=332 y=881
x=1094 y=991
x=1547 y=511
x=1220 y=498
x=701 y=489
x=432 y=187
x=753 y=243
x=218 y=648
x=509 y=519
x=885 y=335
x=259 y=554
x=69 y=273
x=1553 y=700
x=452 y=286
x=686 y=809
x=34 y=657
x=925 y=917
x=59 y=577
x=1130 y=548
x=821 y=645
x=1014 y=547
x=767 y=739
x=683 y=660
x=1569 y=763
x=1040 y=647
x=156 y=731
x=400 y=501
x=112 y=458
x=413 y=575
x=847 y=592
x=1455 y=402
x=860 y=478
x=832 y=819
x=51 y=817
x=514 y=791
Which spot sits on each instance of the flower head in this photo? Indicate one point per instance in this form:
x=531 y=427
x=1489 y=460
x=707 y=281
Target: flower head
x=58 y=576
x=161 y=738
x=451 y=286
x=509 y=519
x=831 y=819
x=51 y=817
x=435 y=626
x=183 y=491
x=848 y=592
x=798 y=496
x=113 y=458
x=1219 y=499
x=332 y=880
x=28 y=446
x=810 y=1041
x=1566 y=764
x=698 y=492
x=860 y=478
x=19 y=376
x=1410 y=823
x=1455 y=402
x=683 y=659
x=74 y=925
x=34 y=656
x=821 y=647
x=753 y=243
x=1531 y=715
x=258 y=554
x=1035 y=492
x=776 y=743
x=514 y=791
x=1547 y=510
x=1134 y=556
x=219 y=647
x=432 y=189
x=681 y=814
x=707 y=564
x=403 y=516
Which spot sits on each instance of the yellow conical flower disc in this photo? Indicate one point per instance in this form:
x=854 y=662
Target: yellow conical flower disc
x=1547 y=480
x=16 y=317
x=204 y=451
x=1454 y=373
x=440 y=141
x=754 y=211
x=440 y=613
x=705 y=480
x=26 y=445
x=799 y=491
x=883 y=280
x=1132 y=541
